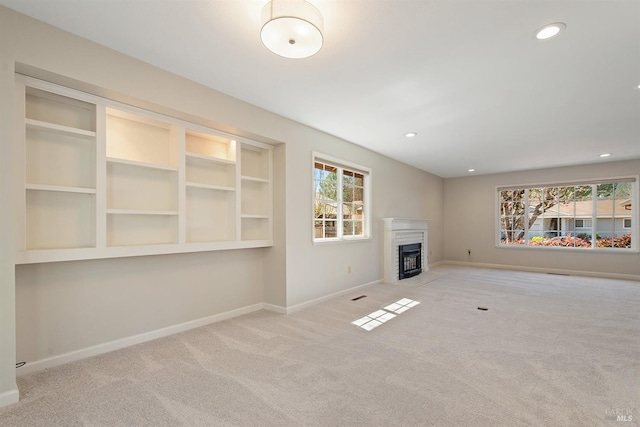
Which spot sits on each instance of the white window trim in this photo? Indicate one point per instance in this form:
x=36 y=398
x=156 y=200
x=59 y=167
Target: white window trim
x=635 y=231
x=341 y=163
x=624 y=223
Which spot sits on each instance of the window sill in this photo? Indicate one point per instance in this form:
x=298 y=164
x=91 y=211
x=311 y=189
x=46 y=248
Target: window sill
x=340 y=241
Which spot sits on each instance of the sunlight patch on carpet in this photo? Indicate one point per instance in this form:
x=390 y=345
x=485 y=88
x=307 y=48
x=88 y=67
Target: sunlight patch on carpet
x=378 y=317
x=401 y=306
x=373 y=320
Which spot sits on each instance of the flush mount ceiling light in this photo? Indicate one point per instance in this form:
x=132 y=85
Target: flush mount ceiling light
x=605 y=154
x=550 y=30
x=291 y=28
x=410 y=134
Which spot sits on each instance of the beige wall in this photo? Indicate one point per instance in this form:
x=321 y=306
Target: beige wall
x=66 y=306
x=401 y=191
x=8 y=388
x=469 y=206
x=70 y=306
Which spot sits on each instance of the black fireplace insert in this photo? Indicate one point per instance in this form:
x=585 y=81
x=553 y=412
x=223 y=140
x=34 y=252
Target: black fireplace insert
x=410 y=260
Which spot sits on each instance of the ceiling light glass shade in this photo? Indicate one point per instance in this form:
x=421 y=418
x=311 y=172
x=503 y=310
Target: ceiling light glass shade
x=550 y=30
x=292 y=28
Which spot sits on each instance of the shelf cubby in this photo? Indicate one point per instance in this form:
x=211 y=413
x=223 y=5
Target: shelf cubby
x=209 y=145
x=44 y=108
x=59 y=159
x=255 y=197
x=59 y=220
x=140 y=139
x=137 y=229
x=255 y=162
x=210 y=215
x=141 y=188
x=206 y=171
x=255 y=228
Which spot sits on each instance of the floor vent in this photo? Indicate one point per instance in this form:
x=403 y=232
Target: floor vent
x=357 y=298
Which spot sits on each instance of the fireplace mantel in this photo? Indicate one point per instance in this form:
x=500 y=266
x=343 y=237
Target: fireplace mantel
x=399 y=231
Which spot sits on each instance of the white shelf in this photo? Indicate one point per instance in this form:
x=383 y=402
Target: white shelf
x=209 y=186
x=99 y=179
x=141 y=164
x=209 y=159
x=62 y=189
x=52 y=127
x=140 y=212
x=254 y=179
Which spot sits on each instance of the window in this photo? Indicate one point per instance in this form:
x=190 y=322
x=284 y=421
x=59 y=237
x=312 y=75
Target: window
x=581 y=215
x=340 y=200
x=583 y=223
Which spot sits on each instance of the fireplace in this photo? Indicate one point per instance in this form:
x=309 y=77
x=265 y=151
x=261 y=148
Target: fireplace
x=409 y=260
x=405 y=232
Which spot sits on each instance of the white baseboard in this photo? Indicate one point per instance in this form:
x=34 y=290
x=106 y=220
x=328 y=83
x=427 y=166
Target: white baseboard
x=9 y=397
x=298 y=307
x=95 y=350
x=84 y=353
x=274 y=308
x=548 y=270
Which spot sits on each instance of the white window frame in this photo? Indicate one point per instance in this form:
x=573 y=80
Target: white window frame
x=635 y=200
x=341 y=165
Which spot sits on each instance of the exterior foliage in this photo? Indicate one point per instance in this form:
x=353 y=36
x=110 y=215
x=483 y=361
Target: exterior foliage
x=577 y=242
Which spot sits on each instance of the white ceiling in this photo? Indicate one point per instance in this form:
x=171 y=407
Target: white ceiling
x=467 y=75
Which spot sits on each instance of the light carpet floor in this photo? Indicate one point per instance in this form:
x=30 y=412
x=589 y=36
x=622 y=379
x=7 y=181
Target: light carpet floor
x=549 y=351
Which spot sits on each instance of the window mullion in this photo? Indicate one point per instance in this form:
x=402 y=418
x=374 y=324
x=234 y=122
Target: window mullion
x=526 y=216
x=339 y=224
x=594 y=214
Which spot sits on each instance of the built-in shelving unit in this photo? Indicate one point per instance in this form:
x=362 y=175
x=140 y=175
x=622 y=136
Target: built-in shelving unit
x=211 y=181
x=256 y=193
x=59 y=149
x=100 y=179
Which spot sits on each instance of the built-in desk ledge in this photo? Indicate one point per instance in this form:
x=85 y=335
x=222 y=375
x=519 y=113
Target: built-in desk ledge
x=400 y=232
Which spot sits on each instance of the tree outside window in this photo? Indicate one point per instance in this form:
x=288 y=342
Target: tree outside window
x=340 y=205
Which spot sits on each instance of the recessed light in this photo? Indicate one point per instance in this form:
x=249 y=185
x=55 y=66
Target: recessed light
x=410 y=134
x=550 y=30
x=471 y=170
x=605 y=154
